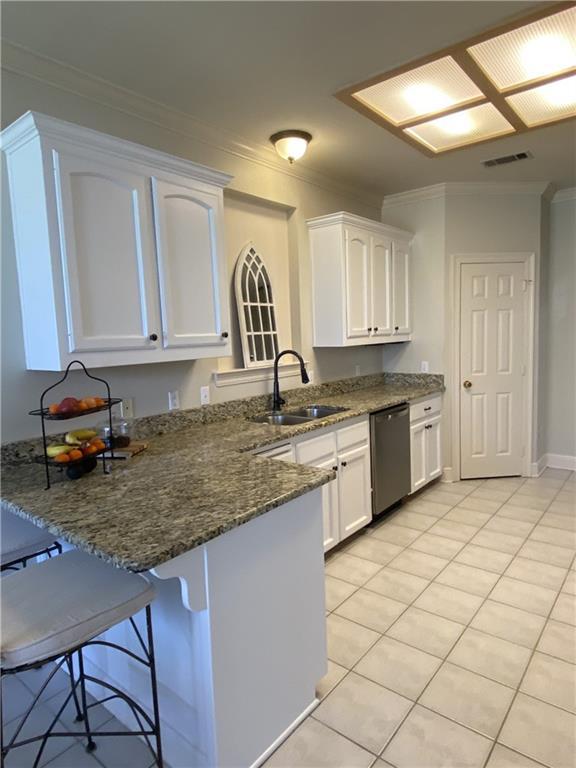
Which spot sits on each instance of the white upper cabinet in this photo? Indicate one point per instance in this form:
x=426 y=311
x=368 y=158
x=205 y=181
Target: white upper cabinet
x=119 y=249
x=361 y=281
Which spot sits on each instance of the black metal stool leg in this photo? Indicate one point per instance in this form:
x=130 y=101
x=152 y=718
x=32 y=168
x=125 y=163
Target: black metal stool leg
x=90 y=744
x=154 y=684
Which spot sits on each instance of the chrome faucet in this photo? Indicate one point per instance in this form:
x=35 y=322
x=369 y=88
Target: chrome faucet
x=277 y=401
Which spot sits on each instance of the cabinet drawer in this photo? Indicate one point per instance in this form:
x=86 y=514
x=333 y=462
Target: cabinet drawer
x=316 y=449
x=425 y=408
x=347 y=437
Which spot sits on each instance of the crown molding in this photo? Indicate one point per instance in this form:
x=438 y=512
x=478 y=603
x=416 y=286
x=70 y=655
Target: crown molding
x=454 y=188
x=343 y=217
x=564 y=194
x=26 y=63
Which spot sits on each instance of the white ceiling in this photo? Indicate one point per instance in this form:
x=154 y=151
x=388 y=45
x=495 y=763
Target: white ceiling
x=258 y=67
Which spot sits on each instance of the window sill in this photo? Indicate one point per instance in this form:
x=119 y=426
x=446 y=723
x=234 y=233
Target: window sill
x=238 y=376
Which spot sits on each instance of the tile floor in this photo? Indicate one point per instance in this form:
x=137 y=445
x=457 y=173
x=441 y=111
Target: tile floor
x=452 y=634
x=451 y=642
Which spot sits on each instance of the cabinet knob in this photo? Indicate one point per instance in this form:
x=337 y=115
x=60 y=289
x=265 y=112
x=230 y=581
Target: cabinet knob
x=369 y=330
x=429 y=408
x=343 y=463
x=335 y=468
x=225 y=334
x=396 y=327
x=376 y=328
x=153 y=337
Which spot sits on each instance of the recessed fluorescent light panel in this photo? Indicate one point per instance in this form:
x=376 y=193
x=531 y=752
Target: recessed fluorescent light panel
x=512 y=79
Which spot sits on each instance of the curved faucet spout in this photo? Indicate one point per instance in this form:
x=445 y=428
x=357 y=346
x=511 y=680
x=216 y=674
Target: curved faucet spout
x=277 y=401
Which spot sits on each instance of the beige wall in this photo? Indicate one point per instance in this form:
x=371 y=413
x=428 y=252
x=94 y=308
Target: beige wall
x=280 y=202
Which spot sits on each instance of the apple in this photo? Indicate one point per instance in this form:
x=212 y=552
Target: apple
x=68 y=405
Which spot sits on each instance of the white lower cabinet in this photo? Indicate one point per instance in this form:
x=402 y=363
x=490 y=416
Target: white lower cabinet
x=425 y=442
x=347 y=500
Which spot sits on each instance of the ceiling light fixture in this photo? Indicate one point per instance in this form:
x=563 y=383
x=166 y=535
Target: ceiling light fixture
x=291 y=144
x=511 y=79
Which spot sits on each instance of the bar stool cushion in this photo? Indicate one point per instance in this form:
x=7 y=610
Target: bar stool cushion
x=61 y=603
x=19 y=538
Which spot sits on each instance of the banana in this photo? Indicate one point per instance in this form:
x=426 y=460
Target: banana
x=78 y=436
x=56 y=450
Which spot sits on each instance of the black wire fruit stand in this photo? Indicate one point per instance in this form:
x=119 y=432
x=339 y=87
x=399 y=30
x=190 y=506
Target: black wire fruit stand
x=45 y=415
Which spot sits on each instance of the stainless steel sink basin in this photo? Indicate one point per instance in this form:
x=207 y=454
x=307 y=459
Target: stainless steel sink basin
x=286 y=419
x=316 y=411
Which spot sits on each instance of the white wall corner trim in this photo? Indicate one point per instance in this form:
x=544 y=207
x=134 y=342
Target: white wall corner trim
x=537 y=467
x=237 y=376
x=26 y=63
x=466 y=188
x=563 y=195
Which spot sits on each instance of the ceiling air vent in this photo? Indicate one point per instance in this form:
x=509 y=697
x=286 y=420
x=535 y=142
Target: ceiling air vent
x=506 y=159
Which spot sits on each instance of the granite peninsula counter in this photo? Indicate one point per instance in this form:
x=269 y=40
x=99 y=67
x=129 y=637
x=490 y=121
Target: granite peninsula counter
x=233 y=543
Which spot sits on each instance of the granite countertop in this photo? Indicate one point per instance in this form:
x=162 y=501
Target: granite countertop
x=188 y=487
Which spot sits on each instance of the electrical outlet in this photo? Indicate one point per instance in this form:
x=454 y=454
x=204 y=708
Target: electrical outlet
x=173 y=400
x=356 y=370
x=127 y=408
x=424 y=366
x=204 y=395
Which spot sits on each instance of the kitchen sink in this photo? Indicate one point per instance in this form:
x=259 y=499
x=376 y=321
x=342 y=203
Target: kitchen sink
x=286 y=419
x=316 y=411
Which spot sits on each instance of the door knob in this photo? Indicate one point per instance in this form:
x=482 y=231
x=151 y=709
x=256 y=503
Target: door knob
x=467 y=384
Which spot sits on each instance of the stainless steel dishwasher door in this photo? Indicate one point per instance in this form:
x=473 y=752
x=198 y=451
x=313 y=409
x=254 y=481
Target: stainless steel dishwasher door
x=390 y=448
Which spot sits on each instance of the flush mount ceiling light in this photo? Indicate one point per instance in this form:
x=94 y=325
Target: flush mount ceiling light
x=509 y=80
x=291 y=144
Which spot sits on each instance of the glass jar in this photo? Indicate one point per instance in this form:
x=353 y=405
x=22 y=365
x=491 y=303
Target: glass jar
x=121 y=432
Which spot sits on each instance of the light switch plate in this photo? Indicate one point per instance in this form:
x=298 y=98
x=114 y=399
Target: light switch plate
x=424 y=366
x=127 y=408
x=204 y=395
x=173 y=400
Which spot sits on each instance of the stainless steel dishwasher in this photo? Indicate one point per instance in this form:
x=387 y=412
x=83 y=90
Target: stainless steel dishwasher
x=390 y=449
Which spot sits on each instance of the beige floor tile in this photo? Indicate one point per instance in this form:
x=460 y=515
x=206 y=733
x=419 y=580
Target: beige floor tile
x=480 y=505
x=520 y=513
x=418 y=563
x=399 y=667
x=468 y=517
x=504 y=483
x=502 y=757
x=461 y=488
x=428 y=740
x=564 y=522
x=558 y=474
x=509 y=623
x=493 y=494
x=529 y=501
x=561 y=507
x=480 y=557
x=570 y=583
x=490 y=656
x=337 y=591
x=432 y=508
x=556 y=536
x=441 y=497
x=369 y=548
x=437 y=545
x=551 y=680
x=565 y=609
x=468 y=698
x=542 y=574
x=528 y=597
x=452 y=530
x=397 y=585
x=313 y=744
x=450 y=603
x=501 y=542
x=347 y=642
x=371 y=610
x=547 y=553
x=355 y=570
x=540 y=731
x=363 y=711
x=542 y=490
x=567 y=494
x=331 y=679
x=507 y=525
x=414 y=520
x=426 y=631
x=559 y=640
x=395 y=534
x=469 y=579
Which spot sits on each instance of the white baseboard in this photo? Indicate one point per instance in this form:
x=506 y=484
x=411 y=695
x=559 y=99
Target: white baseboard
x=559 y=461
x=537 y=467
x=292 y=727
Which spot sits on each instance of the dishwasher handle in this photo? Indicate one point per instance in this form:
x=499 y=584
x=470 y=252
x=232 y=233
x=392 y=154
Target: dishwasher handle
x=391 y=413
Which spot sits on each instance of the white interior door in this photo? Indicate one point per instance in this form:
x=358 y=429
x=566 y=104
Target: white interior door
x=492 y=344
x=380 y=292
x=357 y=259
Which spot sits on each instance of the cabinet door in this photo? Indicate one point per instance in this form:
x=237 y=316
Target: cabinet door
x=380 y=286
x=354 y=489
x=321 y=452
x=400 y=288
x=433 y=449
x=418 y=455
x=190 y=265
x=357 y=265
x=110 y=282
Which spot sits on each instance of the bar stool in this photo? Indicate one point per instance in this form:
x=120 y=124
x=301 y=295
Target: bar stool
x=50 y=613
x=21 y=541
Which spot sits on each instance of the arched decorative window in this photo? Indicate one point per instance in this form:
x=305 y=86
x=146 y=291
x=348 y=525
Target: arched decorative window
x=256 y=313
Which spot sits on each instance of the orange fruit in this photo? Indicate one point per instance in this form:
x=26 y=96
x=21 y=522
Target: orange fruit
x=89 y=402
x=82 y=406
x=100 y=402
x=62 y=458
x=75 y=454
x=89 y=449
x=53 y=408
x=98 y=443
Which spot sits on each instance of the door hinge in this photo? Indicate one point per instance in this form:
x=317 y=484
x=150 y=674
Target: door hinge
x=523 y=370
x=525 y=284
